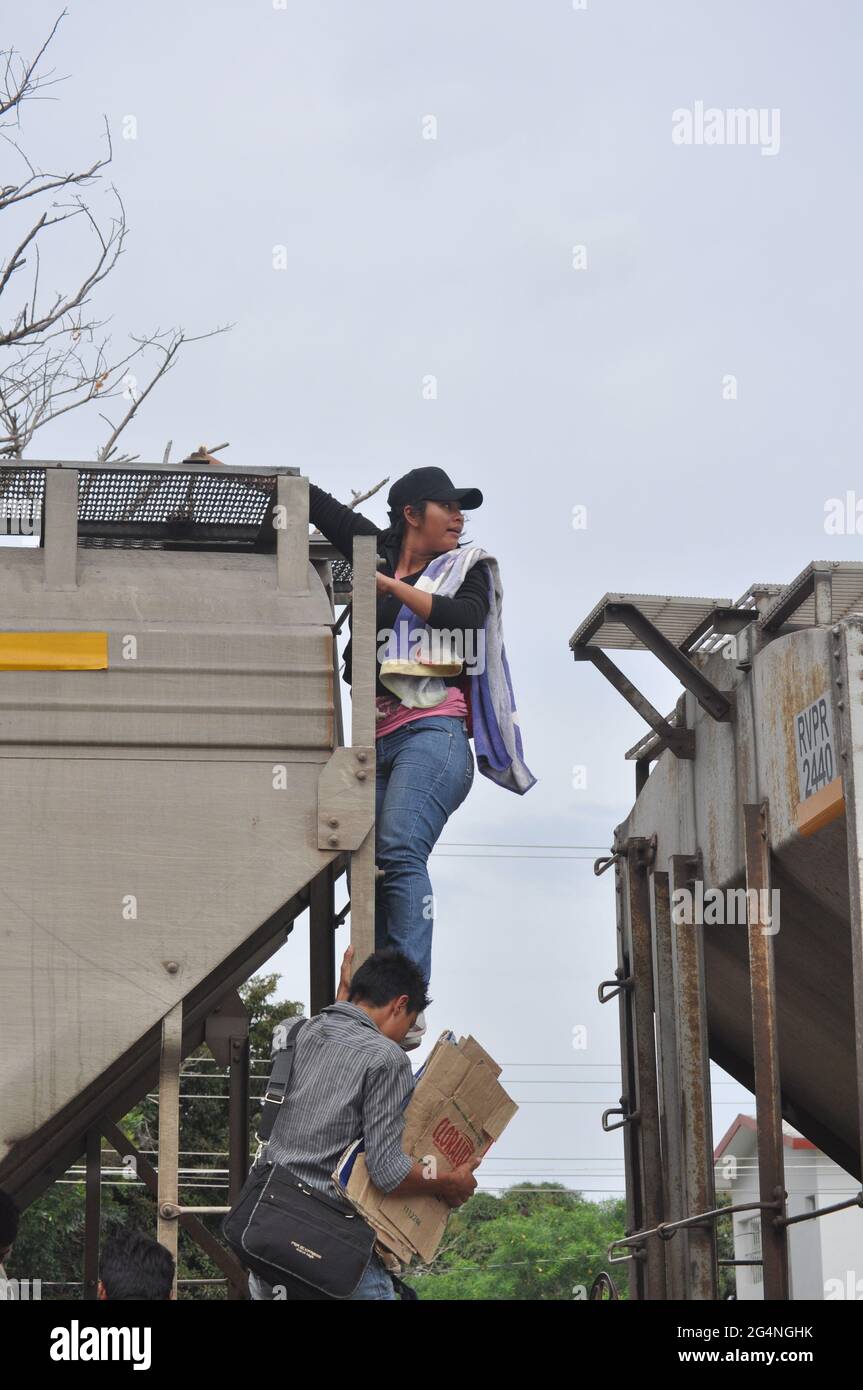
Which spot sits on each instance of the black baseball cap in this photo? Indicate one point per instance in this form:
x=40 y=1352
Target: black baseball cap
x=431 y=485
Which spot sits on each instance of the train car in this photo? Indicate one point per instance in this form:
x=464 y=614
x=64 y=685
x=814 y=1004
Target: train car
x=739 y=909
x=176 y=792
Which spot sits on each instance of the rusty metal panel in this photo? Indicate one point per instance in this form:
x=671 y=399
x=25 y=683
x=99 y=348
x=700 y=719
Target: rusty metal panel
x=668 y=1068
x=700 y=803
x=847 y=652
x=639 y=855
x=765 y=1048
x=701 y=1272
x=628 y=1084
x=782 y=1011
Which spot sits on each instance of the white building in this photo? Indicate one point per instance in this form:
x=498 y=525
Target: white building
x=826 y=1255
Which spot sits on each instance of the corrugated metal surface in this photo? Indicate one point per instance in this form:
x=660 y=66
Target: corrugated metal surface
x=697 y=806
x=156 y=813
x=675 y=617
x=847 y=589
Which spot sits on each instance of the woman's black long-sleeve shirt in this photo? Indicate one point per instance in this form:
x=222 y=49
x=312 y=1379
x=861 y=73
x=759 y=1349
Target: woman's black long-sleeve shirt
x=465 y=612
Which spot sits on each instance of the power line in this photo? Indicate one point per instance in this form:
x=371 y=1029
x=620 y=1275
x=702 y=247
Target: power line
x=594 y=1100
x=78 y=1173
x=741 y=1164
x=78 y=1283
x=223 y=1187
x=471 y=855
x=266 y=1061
x=513 y=1264
x=509 y=1158
x=849 y=1190
x=493 y=844
x=507 y=1080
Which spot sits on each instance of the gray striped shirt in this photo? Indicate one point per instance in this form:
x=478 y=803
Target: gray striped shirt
x=349 y=1081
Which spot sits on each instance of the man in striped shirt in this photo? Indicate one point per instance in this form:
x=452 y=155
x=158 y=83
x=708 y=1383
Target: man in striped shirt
x=350 y=1080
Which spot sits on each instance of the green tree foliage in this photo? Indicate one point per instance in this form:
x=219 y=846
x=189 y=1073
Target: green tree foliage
x=50 y=1244
x=725 y=1249
x=534 y=1242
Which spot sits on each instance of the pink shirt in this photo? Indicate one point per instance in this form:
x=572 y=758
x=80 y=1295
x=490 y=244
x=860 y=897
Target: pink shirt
x=391 y=713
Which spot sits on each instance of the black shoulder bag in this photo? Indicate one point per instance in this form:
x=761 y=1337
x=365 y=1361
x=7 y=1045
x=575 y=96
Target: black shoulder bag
x=286 y=1232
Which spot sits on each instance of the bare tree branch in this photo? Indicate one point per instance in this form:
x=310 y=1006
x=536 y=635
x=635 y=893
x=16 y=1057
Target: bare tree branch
x=23 y=84
x=359 y=497
x=170 y=353
x=39 y=182
x=54 y=354
x=169 y=356
x=111 y=248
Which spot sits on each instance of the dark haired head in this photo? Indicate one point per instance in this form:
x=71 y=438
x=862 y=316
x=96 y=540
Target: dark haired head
x=384 y=976
x=135 y=1267
x=398 y=525
x=8 y=1222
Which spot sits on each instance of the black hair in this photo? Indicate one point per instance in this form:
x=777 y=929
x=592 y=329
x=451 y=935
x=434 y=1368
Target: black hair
x=136 y=1267
x=8 y=1220
x=394 y=534
x=384 y=976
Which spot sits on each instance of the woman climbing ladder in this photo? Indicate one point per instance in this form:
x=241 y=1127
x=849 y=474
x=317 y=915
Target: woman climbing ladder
x=439 y=602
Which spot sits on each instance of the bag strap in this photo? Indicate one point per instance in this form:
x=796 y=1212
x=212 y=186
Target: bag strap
x=403 y=1290
x=277 y=1086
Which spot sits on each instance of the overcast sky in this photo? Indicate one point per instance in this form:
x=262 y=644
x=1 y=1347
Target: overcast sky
x=601 y=384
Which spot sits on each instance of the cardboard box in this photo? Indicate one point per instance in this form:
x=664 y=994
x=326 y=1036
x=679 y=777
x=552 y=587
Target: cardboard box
x=456 y=1112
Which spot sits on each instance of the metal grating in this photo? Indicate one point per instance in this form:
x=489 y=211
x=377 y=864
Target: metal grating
x=780 y=606
x=342 y=574
x=675 y=617
x=650 y=741
x=212 y=499
x=21 y=493
x=321 y=550
x=846 y=577
x=152 y=507
x=712 y=640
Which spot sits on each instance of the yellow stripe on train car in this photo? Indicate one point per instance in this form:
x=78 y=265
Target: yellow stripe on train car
x=53 y=651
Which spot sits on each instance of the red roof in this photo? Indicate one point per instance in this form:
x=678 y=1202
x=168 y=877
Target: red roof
x=791 y=1141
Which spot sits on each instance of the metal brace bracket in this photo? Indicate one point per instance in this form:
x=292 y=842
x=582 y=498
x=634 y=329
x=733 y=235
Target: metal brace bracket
x=719 y=704
x=680 y=741
x=346 y=798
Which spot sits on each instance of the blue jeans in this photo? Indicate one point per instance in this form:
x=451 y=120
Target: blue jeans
x=424 y=772
x=375 y=1283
